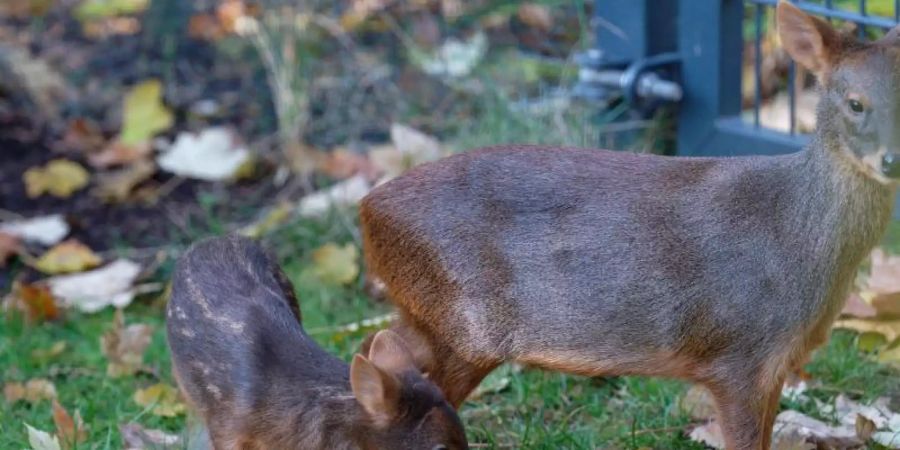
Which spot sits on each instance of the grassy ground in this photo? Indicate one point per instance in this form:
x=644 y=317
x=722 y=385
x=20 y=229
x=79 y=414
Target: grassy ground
x=519 y=409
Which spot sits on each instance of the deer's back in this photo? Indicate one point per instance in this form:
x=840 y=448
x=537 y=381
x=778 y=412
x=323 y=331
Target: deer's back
x=520 y=248
x=235 y=332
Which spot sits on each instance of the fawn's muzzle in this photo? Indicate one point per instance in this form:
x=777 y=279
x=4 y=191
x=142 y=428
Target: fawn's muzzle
x=890 y=165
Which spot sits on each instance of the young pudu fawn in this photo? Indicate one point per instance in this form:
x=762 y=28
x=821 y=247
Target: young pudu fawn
x=260 y=382
x=724 y=271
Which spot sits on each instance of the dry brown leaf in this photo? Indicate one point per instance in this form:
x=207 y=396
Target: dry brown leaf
x=857 y=307
x=206 y=27
x=341 y=163
x=32 y=391
x=161 y=399
x=36 y=302
x=71 y=432
x=698 y=402
x=66 y=257
x=124 y=346
x=83 y=135
x=9 y=247
x=117 y=186
x=136 y=437
x=536 y=16
x=60 y=178
x=117 y=153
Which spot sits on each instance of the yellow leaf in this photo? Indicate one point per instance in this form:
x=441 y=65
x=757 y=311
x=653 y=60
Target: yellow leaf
x=161 y=399
x=55 y=350
x=124 y=346
x=144 y=114
x=117 y=186
x=890 y=329
x=60 y=178
x=890 y=356
x=99 y=9
x=334 y=264
x=68 y=256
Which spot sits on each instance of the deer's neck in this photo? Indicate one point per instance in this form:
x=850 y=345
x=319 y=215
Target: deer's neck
x=843 y=213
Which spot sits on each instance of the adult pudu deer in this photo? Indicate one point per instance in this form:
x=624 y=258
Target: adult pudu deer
x=261 y=383
x=726 y=272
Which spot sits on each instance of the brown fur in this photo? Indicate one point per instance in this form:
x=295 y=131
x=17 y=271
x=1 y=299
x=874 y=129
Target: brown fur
x=242 y=359
x=727 y=272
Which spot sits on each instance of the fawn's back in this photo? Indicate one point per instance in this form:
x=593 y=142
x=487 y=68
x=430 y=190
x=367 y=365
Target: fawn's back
x=260 y=382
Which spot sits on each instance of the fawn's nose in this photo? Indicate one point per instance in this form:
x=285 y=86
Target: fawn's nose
x=890 y=165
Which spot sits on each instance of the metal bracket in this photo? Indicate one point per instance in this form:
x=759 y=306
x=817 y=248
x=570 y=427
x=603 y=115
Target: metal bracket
x=640 y=84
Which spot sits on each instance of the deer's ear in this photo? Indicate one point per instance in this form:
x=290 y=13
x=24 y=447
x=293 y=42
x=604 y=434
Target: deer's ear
x=811 y=41
x=892 y=37
x=390 y=353
x=375 y=390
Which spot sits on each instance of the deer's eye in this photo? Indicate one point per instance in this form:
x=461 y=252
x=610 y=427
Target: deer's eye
x=856 y=106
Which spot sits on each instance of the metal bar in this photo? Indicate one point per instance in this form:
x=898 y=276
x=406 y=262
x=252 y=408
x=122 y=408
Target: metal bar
x=862 y=12
x=824 y=11
x=792 y=96
x=757 y=66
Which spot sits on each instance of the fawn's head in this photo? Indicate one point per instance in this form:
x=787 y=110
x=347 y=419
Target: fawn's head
x=860 y=102
x=405 y=410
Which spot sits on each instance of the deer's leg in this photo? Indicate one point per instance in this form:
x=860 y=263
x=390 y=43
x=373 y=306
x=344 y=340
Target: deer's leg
x=747 y=408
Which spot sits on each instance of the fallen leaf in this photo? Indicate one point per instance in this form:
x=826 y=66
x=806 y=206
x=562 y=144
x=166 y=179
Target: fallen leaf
x=890 y=329
x=890 y=356
x=117 y=186
x=212 y=155
x=857 y=307
x=99 y=9
x=35 y=301
x=45 y=230
x=9 y=247
x=341 y=164
x=71 y=432
x=124 y=346
x=136 y=437
x=536 y=16
x=161 y=399
x=454 y=58
x=144 y=114
x=83 y=135
x=118 y=152
x=882 y=288
x=865 y=428
x=41 y=440
x=111 y=285
x=816 y=431
x=60 y=178
x=44 y=354
x=341 y=195
x=68 y=256
x=272 y=218
x=698 y=402
x=847 y=411
x=32 y=391
x=709 y=434
x=410 y=147
x=335 y=264
x=889 y=439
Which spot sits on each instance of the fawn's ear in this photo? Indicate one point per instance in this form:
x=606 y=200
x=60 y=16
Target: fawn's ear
x=377 y=391
x=811 y=41
x=390 y=353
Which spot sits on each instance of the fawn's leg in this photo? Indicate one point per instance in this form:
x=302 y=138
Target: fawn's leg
x=747 y=408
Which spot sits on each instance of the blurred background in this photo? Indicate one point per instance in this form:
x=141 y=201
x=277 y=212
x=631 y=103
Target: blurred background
x=131 y=128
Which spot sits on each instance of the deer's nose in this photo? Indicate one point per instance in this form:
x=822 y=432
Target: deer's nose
x=890 y=164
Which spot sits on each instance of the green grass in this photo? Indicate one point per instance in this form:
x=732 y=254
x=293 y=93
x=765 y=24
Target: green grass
x=531 y=410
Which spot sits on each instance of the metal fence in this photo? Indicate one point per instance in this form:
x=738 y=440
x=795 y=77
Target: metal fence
x=691 y=53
